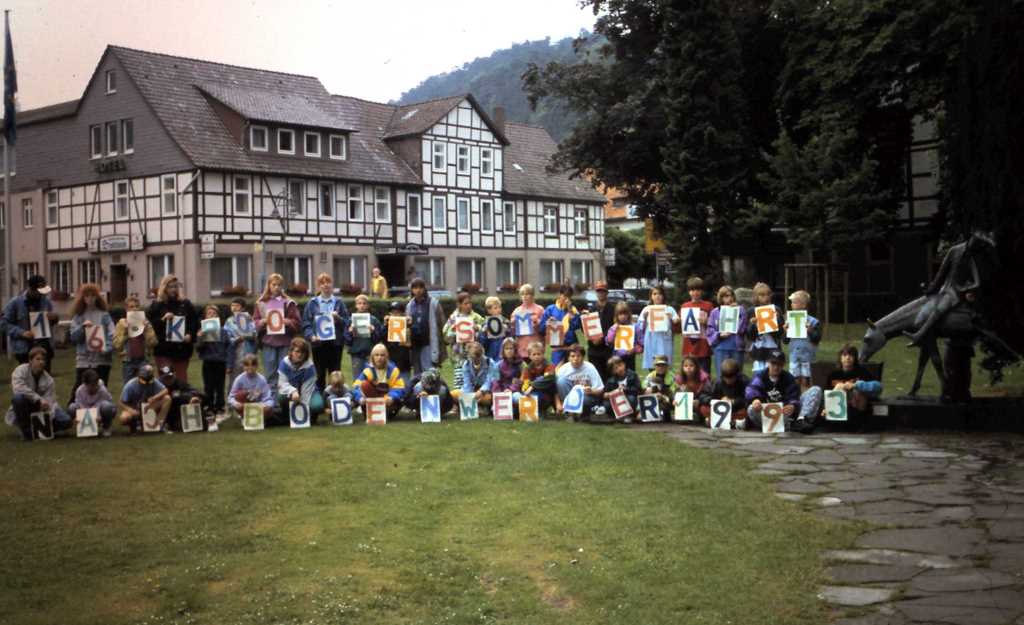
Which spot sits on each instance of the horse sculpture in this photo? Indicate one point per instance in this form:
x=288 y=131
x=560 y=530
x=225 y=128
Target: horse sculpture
x=947 y=310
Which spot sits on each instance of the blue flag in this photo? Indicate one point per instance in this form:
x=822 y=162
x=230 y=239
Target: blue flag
x=10 y=85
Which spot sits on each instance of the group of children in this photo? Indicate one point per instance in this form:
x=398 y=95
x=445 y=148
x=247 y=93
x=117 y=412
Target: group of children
x=490 y=354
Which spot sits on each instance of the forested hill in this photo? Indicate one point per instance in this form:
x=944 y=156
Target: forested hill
x=495 y=81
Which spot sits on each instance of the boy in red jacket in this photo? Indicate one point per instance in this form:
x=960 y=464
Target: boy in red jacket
x=698 y=347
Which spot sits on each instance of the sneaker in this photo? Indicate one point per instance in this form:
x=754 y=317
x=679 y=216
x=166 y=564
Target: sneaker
x=599 y=411
x=628 y=420
x=106 y=433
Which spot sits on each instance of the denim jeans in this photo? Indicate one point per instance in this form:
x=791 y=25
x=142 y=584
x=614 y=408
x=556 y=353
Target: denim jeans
x=272 y=357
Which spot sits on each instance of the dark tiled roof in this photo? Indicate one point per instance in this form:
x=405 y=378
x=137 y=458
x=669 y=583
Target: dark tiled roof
x=46 y=113
x=414 y=119
x=168 y=84
x=417 y=118
x=525 y=173
x=274 y=107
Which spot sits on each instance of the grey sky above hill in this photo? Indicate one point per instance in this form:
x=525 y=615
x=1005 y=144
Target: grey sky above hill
x=371 y=49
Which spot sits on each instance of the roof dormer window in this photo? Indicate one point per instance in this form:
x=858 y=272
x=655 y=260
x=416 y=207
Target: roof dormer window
x=258 y=139
x=286 y=141
x=111 y=79
x=338 y=147
x=312 y=141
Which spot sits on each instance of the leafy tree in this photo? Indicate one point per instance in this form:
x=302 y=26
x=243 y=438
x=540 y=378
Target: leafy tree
x=662 y=115
x=631 y=259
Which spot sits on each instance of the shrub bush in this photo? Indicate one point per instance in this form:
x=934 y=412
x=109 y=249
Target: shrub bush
x=234 y=291
x=471 y=287
x=297 y=289
x=351 y=289
x=551 y=288
x=511 y=287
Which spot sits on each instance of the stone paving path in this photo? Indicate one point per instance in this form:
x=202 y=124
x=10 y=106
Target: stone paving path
x=947 y=545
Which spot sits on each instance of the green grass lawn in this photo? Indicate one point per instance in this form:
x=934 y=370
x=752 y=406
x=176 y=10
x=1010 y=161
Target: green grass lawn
x=477 y=522
x=453 y=523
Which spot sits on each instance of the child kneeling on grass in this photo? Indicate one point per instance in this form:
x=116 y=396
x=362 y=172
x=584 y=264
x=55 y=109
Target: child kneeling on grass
x=430 y=383
x=478 y=373
x=144 y=388
x=731 y=387
x=624 y=379
x=659 y=382
x=296 y=382
x=578 y=372
x=250 y=387
x=380 y=378
x=92 y=393
x=538 y=379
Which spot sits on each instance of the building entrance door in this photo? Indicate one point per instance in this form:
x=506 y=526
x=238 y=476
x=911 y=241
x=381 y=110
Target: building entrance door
x=392 y=267
x=118 y=283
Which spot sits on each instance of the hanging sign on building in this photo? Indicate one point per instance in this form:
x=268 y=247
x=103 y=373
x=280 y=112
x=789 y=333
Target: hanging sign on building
x=115 y=243
x=207 y=246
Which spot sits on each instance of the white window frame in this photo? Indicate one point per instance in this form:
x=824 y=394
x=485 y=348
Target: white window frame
x=515 y=270
x=110 y=81
x=486 y=162
x=296 y=260
x=96 y=141
x=508 y=209
x=558 y=272
x=167 y=260
x=266 y=138
x=27 y=270
x=355 y=194
x=438 y=206
x=60 y=276
x=486 y=209
x=460 y=203
x=410 y=210
x=331 y=204
x=125 y=147
x=27 y=214
x=52 y=211
x=168 y=194
x=551 y=220
x=296 y=201
x=343 y=279
x=382 y=200
x=89 y=271
x=235 y=273
x=477 y=271
x=3 y=215
x=435 y=270
x=344 y=147
x=305 y=143
x=439 y=150
x=586 y=272
x=285 y=131
x=246 y=193
x=580 y=225
x=120 y=196
x=462 y=159
x=111 y=141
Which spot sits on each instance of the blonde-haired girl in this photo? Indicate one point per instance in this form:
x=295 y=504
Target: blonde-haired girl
x=170 y=302
x=726 y=345
x=275 y=346
x=762 y=345
x=532 y=311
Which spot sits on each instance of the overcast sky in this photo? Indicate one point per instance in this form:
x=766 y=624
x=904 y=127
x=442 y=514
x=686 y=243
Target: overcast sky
x=373 y=49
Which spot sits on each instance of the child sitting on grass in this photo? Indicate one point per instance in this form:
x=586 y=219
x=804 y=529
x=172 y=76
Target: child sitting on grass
x=659 y=382
x=296 y=382
x=478 y=373
x=509 y=373
x=731 y=386
x=624 y=379
x=92 y=393
x=538 y=379
x=380 y=378
x=250 y=387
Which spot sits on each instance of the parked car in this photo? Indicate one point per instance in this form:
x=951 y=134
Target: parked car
x=441 y=294
x=618 y=295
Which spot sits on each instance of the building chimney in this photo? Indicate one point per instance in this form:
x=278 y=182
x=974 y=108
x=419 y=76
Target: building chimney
x=499 y=118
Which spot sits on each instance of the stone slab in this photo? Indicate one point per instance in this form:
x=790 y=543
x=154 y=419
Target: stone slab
x=854 y=596
x=893 y=557
x=852 y=574
x=870 y=495
x=1007 y=530
x=824 y=456
x=951 y=541
x=960 y=580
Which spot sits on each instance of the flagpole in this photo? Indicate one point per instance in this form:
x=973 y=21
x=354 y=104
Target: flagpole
x=9 y=212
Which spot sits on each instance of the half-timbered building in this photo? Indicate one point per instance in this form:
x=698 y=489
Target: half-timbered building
x=223 y=174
